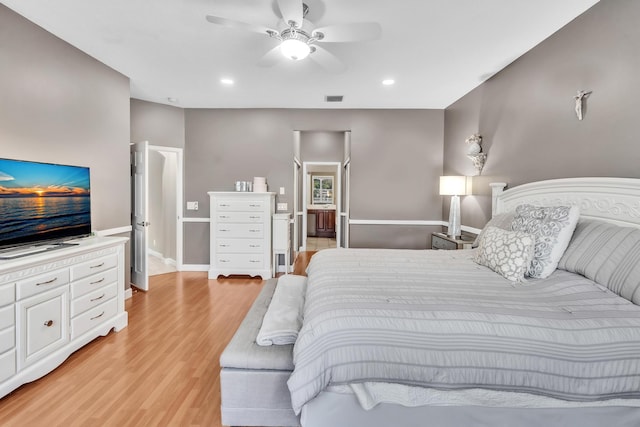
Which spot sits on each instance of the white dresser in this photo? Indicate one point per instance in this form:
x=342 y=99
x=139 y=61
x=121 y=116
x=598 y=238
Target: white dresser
x=55 y=302
x=240 y=240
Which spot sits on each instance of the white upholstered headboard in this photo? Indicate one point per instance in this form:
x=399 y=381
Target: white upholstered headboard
x=614 y=200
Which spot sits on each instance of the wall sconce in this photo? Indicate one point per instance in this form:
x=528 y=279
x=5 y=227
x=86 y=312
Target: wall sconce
x=455 y=186
x=474 y=152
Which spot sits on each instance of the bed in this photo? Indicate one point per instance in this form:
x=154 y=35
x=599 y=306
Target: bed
x=434 y=338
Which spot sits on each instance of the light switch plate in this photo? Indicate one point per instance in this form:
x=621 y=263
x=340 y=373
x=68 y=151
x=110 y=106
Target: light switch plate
x=192 y=206
x=282 y=206
x=282 y=191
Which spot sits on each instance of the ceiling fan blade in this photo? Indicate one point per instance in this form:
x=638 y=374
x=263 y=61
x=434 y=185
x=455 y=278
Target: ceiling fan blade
x=348 y=32
x=327 y=60
x=229 y=23
x=291 y=11
x=271 y=58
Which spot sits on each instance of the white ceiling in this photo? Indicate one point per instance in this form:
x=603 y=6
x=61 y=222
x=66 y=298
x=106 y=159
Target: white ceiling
x=436 y=50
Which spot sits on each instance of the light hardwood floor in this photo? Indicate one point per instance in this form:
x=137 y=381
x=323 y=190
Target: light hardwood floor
x=162 y=370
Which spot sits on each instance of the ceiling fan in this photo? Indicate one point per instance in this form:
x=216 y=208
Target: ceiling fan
x=299 y=37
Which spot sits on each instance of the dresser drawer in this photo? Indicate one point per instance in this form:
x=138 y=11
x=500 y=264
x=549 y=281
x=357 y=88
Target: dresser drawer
x=93 y=317
x=93 y=299
x=7 y=294
x=240 y=245
x=7 y=317
x=7 y=364
x=94 y=266
x=91 y=283
x=231 y=230
x=244 y=261
x=240 y=217
x=7 y=339
x=42 y=283
x=239 y=205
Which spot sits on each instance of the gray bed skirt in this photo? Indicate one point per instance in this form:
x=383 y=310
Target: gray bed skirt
x=253 y=379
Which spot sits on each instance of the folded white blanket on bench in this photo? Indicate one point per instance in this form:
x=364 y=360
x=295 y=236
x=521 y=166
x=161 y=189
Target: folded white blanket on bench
x=283 y=318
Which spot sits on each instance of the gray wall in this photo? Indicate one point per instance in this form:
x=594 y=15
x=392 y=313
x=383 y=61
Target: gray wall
x=59 y=105
x=396 y=161
x=526 y=114
x=318 y=146
x=159 y=124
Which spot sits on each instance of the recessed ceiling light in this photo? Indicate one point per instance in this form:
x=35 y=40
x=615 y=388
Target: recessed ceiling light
x=388 y=82
x=226 y=82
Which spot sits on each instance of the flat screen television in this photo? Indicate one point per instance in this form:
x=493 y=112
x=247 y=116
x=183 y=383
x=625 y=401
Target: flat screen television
x=43 y=203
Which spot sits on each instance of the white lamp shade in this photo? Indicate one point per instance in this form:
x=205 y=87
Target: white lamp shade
x=455 y=186
x=295 y=49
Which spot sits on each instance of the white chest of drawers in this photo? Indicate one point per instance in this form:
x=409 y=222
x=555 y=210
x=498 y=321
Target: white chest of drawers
x=55 y=302
x=240 y=241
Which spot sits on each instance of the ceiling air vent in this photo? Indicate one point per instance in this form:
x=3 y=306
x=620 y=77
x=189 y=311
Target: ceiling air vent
x=333 y=98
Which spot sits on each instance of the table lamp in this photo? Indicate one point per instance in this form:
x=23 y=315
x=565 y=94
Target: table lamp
x=454 y=186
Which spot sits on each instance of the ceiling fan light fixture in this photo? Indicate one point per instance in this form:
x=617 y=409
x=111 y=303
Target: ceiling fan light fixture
x=295 y=49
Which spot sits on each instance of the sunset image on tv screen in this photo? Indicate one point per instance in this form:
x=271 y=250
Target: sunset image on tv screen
x=42 y=201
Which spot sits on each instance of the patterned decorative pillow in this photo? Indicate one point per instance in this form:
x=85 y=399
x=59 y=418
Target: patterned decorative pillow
x=508 y=253
x=501 y=220
x=552 y=227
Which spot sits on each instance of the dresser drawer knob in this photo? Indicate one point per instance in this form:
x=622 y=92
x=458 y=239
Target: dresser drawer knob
x=48 y=323
x=224 y=216
x=223 y=230
x=99 y=315
x=97 y=281
x=97 y=265
x=223 y=205
x=224 y=260
x=48 y=282
x=254 y=206
x=254 y=217
x=255 y=246
x=254 y=261
x=254 y=231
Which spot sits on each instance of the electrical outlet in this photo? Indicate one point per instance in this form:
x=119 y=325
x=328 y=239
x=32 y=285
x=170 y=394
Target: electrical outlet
x=192 y=206
x=282 y=206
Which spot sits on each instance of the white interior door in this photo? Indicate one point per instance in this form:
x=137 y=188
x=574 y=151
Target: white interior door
x=140 y=216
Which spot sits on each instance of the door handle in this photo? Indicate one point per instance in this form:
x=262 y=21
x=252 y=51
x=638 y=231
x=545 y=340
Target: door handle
x=143 y=223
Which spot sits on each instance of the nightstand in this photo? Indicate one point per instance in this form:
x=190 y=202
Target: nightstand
x=442 y=241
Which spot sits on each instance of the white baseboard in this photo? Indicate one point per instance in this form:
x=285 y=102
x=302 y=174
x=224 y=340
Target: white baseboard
x=195 y=267
x=128 y=293
x=165 y=261
x=155 y=254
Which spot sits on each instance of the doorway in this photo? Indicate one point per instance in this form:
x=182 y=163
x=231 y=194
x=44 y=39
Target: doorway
x=321 y=199
x=157 y=211
x=320 y=189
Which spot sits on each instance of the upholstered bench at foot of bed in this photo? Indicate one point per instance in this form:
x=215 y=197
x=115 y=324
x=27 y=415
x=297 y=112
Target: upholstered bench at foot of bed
x=253 y=379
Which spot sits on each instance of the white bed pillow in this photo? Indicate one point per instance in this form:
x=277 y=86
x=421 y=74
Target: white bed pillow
x=552 y=227
x=501 y=220
x=506 y=252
